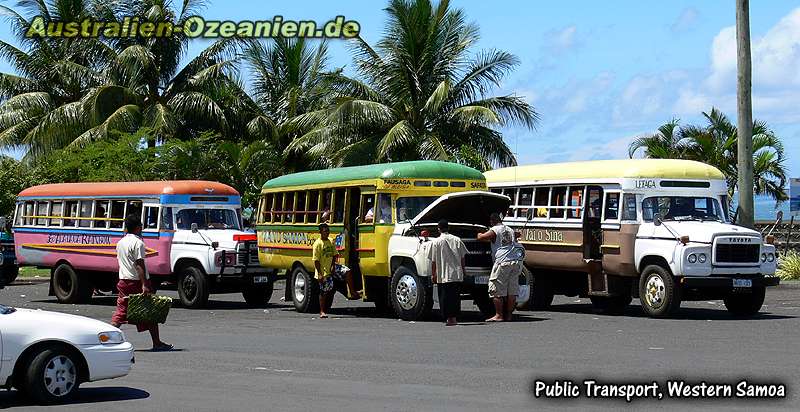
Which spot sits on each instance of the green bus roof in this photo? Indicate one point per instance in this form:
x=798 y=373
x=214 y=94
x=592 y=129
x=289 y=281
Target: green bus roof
x=419 y=169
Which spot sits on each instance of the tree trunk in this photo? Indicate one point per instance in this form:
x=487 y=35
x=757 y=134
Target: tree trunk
x=744 y=114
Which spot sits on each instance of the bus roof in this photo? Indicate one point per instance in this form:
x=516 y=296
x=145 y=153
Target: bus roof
x=607 y=169
x=100 y=189
x=420 y=169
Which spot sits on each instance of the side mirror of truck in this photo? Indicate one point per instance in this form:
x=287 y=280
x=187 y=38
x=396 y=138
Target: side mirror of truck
x=194 y=227
x=657 y=220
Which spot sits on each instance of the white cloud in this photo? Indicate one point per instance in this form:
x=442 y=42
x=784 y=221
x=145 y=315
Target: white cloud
x=560 y=41
x=687 y=20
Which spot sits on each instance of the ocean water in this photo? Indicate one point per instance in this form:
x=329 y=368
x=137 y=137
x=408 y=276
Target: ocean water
x=765 y=208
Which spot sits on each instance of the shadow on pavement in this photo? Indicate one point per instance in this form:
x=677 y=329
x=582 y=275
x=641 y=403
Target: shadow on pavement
x=11 y=399
x=688 y=313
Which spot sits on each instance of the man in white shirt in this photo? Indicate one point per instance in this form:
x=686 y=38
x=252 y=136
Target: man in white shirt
x=446 y=254
x=133 y=278
x=507 y=255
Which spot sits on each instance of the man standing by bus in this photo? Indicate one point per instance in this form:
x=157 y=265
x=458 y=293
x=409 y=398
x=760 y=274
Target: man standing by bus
x=504 y=279
x=133 y=278
x=446 y=254
x=327 y=271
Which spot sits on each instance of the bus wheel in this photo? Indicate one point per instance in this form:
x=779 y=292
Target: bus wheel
x=193 y=287
x=257 y=296
x=658 y=292
x=411 y=297
x=9 y=275
x=541 y=294
x=305 y=291
x=69 y=286
x=745 y=304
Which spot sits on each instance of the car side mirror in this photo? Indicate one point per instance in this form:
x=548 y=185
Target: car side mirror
x=194 y=227
x=657 y=220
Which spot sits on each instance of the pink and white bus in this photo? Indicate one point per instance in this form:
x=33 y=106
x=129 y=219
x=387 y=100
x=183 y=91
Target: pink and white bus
x=192 y=230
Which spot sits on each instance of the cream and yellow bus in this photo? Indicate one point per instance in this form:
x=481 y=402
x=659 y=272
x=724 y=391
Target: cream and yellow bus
x=381 y=217
x=616 y=229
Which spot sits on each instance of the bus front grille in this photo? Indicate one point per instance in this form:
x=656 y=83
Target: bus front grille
x=733 y=253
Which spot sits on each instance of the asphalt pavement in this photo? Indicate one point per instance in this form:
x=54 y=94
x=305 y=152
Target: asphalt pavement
x=232 y=357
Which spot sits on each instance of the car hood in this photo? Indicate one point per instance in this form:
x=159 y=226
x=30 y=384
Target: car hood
x=40 y=324
x=463 y=207
x=703 y=232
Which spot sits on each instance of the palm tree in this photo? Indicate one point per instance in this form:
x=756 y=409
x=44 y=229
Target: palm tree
x=289 y=78
x=121 y=84
x=716 y=144
x=419 y=95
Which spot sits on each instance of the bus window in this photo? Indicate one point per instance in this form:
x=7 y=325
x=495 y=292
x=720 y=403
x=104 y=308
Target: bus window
x=525 y=199
x=86 y=213
x=20 y=211
x=540 y=201
x=384 y=208
x=70 y=210
x=313 y=207
x=41 y=210
x=498 y=191
x=277 y=207
x=166 y=219
x=512 y=194
x=288 y=207
x=612 y=206
x=558 y=197
x=327 y=206
x=368 y=208
x=117 y=214
x=55 y=210
x=629 y=206
x=595 y=203
x=338 y=210
x=266 y=208
x=135 y=208
x=151 y=217
x=575 y=202
x=300 y=209
x=28 y=213
x=101 y=214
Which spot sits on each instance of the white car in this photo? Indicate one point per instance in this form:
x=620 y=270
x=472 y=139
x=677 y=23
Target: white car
x=46 y=355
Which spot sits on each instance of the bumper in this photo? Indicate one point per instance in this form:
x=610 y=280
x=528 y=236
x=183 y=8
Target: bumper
x=726 y=282
x=108 y=361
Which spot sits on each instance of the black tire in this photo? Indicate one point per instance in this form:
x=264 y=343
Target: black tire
x=611 y=305
x=541 y=291
x=745 y=304
x=663 y=298
x=193 y=287
x=410 y=295
x=484 y=302
x=69 y=286
x=8 y=275
x=258 y=296
x=305 y=291
x=59 y=384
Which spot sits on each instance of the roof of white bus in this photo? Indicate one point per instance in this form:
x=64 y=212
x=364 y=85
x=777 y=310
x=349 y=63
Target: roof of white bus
x=606 y=169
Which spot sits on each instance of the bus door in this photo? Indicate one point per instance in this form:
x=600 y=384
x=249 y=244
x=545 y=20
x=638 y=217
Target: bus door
x=366 y=231
x=351 y=230
x=593 y=239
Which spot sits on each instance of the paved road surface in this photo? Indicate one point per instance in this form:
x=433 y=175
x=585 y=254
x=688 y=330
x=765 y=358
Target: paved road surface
x=236 y=358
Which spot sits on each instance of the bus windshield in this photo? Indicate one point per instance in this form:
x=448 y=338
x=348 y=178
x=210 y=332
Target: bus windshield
x=682 y=208
x=409 y=207
x=207 y=219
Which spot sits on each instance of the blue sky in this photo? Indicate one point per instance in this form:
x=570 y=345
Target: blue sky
x=601 y=73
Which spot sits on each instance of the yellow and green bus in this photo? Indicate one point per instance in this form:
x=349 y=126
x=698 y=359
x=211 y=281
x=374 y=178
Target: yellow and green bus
x=381 y=217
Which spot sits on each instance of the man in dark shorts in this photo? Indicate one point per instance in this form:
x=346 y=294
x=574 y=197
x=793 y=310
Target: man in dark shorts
x=446 y=254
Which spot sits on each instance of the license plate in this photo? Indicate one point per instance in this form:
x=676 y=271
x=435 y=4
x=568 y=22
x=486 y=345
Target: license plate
x=260 y=279
x=481 y=280
x=742 y=283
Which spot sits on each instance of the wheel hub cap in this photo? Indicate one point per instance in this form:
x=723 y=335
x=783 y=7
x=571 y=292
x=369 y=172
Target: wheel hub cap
x=300 y=288
x=60 y=376
x=189 y=287
x=655 y=291
x=406 y=292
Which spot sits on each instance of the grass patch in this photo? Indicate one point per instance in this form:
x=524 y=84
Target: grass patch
x=789 y=266
x=30 y=272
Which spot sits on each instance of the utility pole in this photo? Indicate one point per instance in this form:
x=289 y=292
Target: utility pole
x=744 y=114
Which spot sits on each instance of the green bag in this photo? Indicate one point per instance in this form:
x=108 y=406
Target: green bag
x=148 y=308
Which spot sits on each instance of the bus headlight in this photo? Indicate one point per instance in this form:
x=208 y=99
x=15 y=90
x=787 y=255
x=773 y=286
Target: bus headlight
x=770 y=257
x=701 y=258
x=230 y=259
x=763 y=257
x=692 y=258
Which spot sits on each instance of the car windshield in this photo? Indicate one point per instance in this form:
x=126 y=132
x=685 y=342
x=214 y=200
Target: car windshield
x=207 y=219
x=5 y=310
x=409 y=207
x=682 y=208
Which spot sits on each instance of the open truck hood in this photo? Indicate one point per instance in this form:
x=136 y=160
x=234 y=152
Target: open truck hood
x=463 y=207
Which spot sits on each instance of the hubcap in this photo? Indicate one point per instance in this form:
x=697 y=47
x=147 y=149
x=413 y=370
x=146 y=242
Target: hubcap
x=655 y=291
x=300 y=287
x=406 y=292
x=60 y=376
x=189 y=287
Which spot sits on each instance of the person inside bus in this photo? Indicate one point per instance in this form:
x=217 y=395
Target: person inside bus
x=385 y=210
x=507 y=255
x=679 y=207
x=328 y=272
x=326 y=209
